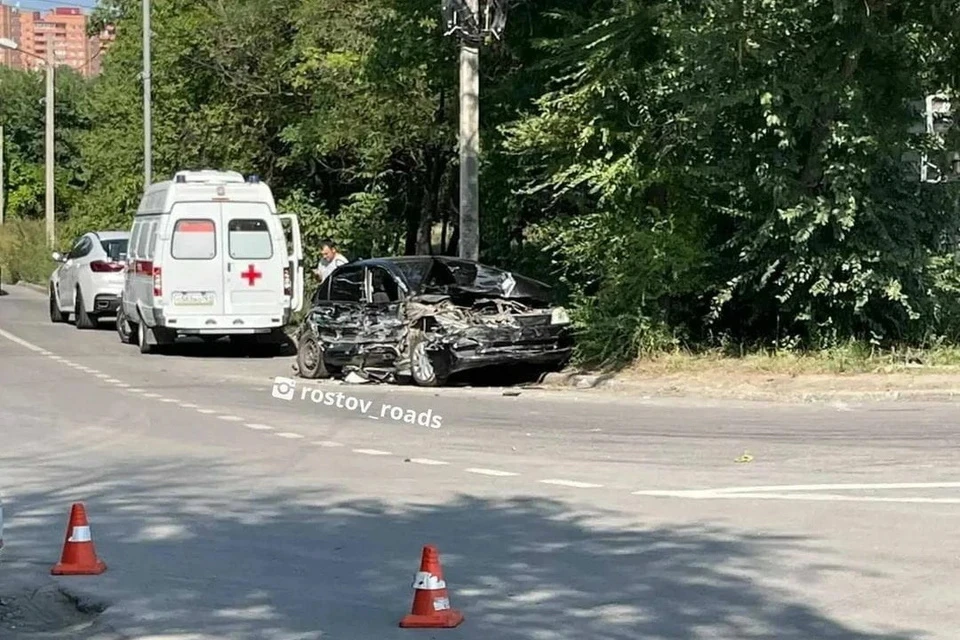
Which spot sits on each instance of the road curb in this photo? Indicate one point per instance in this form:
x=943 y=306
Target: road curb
x=29 y=285
x=609 y=382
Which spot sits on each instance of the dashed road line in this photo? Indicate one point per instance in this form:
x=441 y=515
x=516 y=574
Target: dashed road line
x=492 y=472
x=572 y=483
x=258 y=427
x=21 y=342
x=135 y=390
x=428 y=462
x=171 y=400
x=289 y=435
x=151 y=395
x=231 y=418
x=102 y=376
x=122 y=385
x=327 y=443
x=206 y=411
x=187 y=405
x=372 y=452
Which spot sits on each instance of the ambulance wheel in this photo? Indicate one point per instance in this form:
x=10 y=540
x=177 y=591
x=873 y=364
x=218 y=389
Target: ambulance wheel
x=142 y=339
x=125 y=329
x=310 y=362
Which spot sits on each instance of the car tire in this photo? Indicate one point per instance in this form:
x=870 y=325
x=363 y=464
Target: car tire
x=145 y=347
x=55 y=314
x=423 y=368
x=82 y=319
x=310 y=363
x=125 y=329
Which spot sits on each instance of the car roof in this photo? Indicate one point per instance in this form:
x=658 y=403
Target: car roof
x=112 y=235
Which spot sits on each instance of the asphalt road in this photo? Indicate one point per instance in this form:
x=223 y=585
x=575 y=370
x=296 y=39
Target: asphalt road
x=226 y=512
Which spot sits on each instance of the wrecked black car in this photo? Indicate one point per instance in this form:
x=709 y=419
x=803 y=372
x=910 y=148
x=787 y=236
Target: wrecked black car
x=427 y=318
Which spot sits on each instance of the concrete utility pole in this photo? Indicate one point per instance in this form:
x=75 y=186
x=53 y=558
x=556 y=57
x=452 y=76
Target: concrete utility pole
x=3 y=178
x=147 y=103
x=470 y=145
x=51 y=220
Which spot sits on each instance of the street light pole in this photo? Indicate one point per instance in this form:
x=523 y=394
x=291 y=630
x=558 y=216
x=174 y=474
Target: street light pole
x=147 y=103
x=51 y=230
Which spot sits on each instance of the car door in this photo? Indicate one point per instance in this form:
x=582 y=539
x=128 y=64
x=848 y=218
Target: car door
x=384 y=297
x=255 y=261
x=68 y=272
x=338 y=313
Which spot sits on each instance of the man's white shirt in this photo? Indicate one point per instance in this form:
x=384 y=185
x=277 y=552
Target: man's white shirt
x=325 y=269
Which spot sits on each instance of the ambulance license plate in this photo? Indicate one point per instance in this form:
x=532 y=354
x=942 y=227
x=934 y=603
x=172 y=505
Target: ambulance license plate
x=193 y=298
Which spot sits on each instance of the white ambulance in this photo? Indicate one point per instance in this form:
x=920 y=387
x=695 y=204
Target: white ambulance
x=209 y=256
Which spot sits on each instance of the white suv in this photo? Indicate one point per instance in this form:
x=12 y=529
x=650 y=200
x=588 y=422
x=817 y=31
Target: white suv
x=89 y=279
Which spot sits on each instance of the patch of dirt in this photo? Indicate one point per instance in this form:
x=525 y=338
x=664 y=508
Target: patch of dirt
x=39 y=611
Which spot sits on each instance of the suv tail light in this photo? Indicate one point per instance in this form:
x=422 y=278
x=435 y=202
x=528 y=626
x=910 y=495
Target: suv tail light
x=157 y=282
x=287 y=282
x=100 y=266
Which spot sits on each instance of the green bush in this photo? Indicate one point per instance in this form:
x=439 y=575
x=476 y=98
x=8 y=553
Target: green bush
x=23 y=252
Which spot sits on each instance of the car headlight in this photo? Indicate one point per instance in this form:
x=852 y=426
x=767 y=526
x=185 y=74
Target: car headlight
x=559 y=316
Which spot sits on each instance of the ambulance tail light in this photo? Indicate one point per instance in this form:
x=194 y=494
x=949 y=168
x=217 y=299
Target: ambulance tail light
x=287 y=282
x=157 y=282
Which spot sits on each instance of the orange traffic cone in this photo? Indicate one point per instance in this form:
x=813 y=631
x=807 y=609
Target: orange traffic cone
x=431 y=604
x=79 y=556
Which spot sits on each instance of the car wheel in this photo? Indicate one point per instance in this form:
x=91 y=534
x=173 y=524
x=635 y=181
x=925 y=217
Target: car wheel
x=55 y=314
x=82 y=319
x=422 y=365
x=142 y=339
x=124 y=328
x=310 y=362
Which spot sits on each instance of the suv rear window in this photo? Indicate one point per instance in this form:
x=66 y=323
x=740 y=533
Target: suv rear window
x=249 y=239
x=116 y=249
x=194 y=239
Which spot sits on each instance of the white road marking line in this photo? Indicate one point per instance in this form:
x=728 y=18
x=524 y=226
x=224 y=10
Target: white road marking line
x=151 y=395
x=428 y=461
x=112 y=380
x=799 y=487
x=231 y=418
x=187 y=405
x=327 y=443
x=572 y=483
x=258 y=427
x=168 y=400
x=372 y=452
x=492 y=472
x=206 y=411
x=825 y=497
x=21 y=342
x=289 y=435
x=102 y=376
x=135 y=390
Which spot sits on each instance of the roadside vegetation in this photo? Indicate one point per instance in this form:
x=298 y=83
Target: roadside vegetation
x=701 y=181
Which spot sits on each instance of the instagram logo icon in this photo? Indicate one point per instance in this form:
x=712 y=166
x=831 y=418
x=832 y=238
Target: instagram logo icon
x=283 y=388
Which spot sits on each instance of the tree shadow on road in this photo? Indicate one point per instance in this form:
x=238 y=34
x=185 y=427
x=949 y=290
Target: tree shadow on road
x=208 y=555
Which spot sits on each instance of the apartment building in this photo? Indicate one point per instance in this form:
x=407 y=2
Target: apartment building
x=10 y=28
x=62 y=30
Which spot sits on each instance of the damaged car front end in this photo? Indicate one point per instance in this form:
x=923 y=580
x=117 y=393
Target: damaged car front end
x=428 y=318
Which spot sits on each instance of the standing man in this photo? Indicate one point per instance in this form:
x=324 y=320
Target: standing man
x=331 y=258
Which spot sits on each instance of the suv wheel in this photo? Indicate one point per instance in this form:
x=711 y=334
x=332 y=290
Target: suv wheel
x=83 y=320
x=55 y=314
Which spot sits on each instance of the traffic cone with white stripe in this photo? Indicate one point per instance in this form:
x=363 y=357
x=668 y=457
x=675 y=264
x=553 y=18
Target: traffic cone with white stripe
x=431 y=604
x=79 y=555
